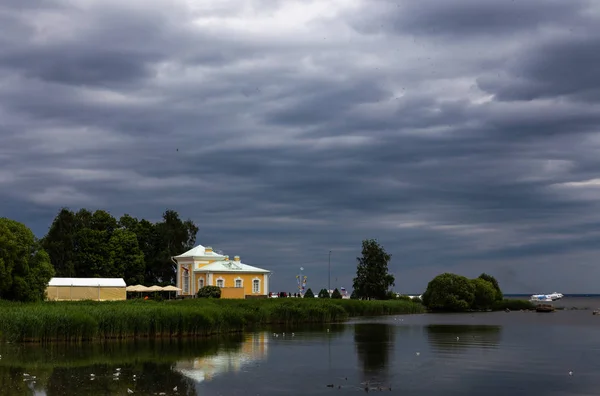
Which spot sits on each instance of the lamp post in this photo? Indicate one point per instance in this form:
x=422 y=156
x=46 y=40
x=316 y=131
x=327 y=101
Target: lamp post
x=329 y=278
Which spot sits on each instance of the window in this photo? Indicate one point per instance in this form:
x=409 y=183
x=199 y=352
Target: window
x=186 y=281
x=256 y=286
x=238 y=283
x=200 y=283
x=220 y=283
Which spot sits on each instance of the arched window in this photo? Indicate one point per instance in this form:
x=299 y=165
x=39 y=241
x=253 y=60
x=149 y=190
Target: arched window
x=186 y=281
x=256 y=286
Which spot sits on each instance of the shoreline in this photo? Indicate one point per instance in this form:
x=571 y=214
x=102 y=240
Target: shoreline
x=90 y=321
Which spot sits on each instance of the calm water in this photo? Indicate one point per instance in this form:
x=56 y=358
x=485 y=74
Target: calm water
x=517 y=353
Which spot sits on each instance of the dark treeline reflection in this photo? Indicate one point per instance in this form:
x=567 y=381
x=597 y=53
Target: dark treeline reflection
x=373 y=342
x=146 y=367
x=458 y=338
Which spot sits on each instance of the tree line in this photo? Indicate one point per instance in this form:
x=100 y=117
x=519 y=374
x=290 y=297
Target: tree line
x=86 y=244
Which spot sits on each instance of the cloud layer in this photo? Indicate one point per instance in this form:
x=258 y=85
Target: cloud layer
x=463 y=135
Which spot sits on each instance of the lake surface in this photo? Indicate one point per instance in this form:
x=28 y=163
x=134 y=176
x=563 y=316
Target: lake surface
x=516 y=353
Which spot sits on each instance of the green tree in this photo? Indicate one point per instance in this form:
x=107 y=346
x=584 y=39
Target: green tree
x=309 y=293
x=25 y=267
x=372 y=277
x=449 y=292
x=59 y=243
x=209 y=292
x=323 y=293
x=494 y=282
x=126 y=258
x=336 y=294
x=353 y=295
x=485 y=294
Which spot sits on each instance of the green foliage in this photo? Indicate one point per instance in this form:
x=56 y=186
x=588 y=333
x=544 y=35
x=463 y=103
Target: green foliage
x=323 y=293
x=86 y=244
x=25 y=267
x=449 y=292
x=417 y=300
x=353 y=295
x=499 y=296
x=372 y=278
x=485 y=294
x=88 y=320
x=309 y=293
x=209 y=292
x=513 y=305
x=402 y=297
x=336 y=294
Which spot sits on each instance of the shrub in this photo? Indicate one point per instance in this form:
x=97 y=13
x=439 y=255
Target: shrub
x=449 y=292
x=209 y=292
x=323 y=293
x=513 y=305
x=417 y=300
x=336 y=294
x=309 y=293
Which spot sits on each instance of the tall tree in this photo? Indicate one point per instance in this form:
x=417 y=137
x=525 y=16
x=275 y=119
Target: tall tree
x=372 y=277
x=59 y=242
x=126 y=258
x=25 y=267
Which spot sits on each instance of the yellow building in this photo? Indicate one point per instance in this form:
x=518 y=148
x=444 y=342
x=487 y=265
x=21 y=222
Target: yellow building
x=201 y=266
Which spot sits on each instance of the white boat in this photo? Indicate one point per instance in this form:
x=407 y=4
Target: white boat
x=556 y=296
x=540 y=298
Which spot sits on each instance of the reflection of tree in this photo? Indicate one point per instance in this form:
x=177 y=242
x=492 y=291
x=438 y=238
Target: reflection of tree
x=65 y=369
x=442 y=338
x=373 y=343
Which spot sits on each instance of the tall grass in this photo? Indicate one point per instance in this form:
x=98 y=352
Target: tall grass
x=89 y=320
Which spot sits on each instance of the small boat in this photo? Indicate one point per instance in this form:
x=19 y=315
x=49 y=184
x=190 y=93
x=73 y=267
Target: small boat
x=540 y=298
x=555 y=296
x=544 y=308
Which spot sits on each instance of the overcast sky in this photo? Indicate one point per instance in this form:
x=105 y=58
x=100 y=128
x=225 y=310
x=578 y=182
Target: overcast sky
x=463 y=134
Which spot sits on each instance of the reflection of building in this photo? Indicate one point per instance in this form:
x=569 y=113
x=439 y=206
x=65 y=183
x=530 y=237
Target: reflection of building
x=254 y=348
x=201 y=266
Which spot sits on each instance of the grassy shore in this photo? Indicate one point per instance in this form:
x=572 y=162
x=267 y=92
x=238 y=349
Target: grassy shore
x=88 y=320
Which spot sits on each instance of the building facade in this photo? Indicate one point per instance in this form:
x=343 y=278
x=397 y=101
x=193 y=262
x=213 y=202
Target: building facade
x=201 y=266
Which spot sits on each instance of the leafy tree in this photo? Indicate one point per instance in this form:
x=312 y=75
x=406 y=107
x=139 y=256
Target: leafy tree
x=323 y=293
x=449 y=292
x=485 y=294
x=336 y=294
x=494 y=282
x=60 y=242
x=126 y=258
x=353 y=295
x=309 y=293
x=372 y=277
x=25 y=268
x=209 y=292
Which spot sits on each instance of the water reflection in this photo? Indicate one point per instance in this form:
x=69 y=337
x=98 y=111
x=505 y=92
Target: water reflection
x=142 y=367
x=200 y=369
x=458 y=338
x=373 y=342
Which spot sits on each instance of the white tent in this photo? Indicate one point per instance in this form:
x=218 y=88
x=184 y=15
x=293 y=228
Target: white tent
x=99 y=289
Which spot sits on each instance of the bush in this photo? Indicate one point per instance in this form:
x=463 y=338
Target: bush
x=417 y=300
x=209 y=292
x=323 y=293
x=449 y=292
x=309 y=293
x=336 y=294
x=485 y=294
x=353 y=295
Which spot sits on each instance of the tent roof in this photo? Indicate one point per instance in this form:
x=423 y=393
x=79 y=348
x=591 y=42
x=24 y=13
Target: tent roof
x=93 y=282
x=171 y=288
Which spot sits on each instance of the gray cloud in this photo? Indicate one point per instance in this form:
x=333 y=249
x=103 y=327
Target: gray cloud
x=462 y=135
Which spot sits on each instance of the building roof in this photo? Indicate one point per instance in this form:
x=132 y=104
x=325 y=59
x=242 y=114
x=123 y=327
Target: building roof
x=94 y=282
x=231 y=266
x=199 y=251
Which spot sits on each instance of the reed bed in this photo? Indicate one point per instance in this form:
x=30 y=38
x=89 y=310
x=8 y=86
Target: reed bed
x=88 y=320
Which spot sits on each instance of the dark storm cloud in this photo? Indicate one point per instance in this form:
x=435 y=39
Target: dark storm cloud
x=466 y=18
x=460 y=134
